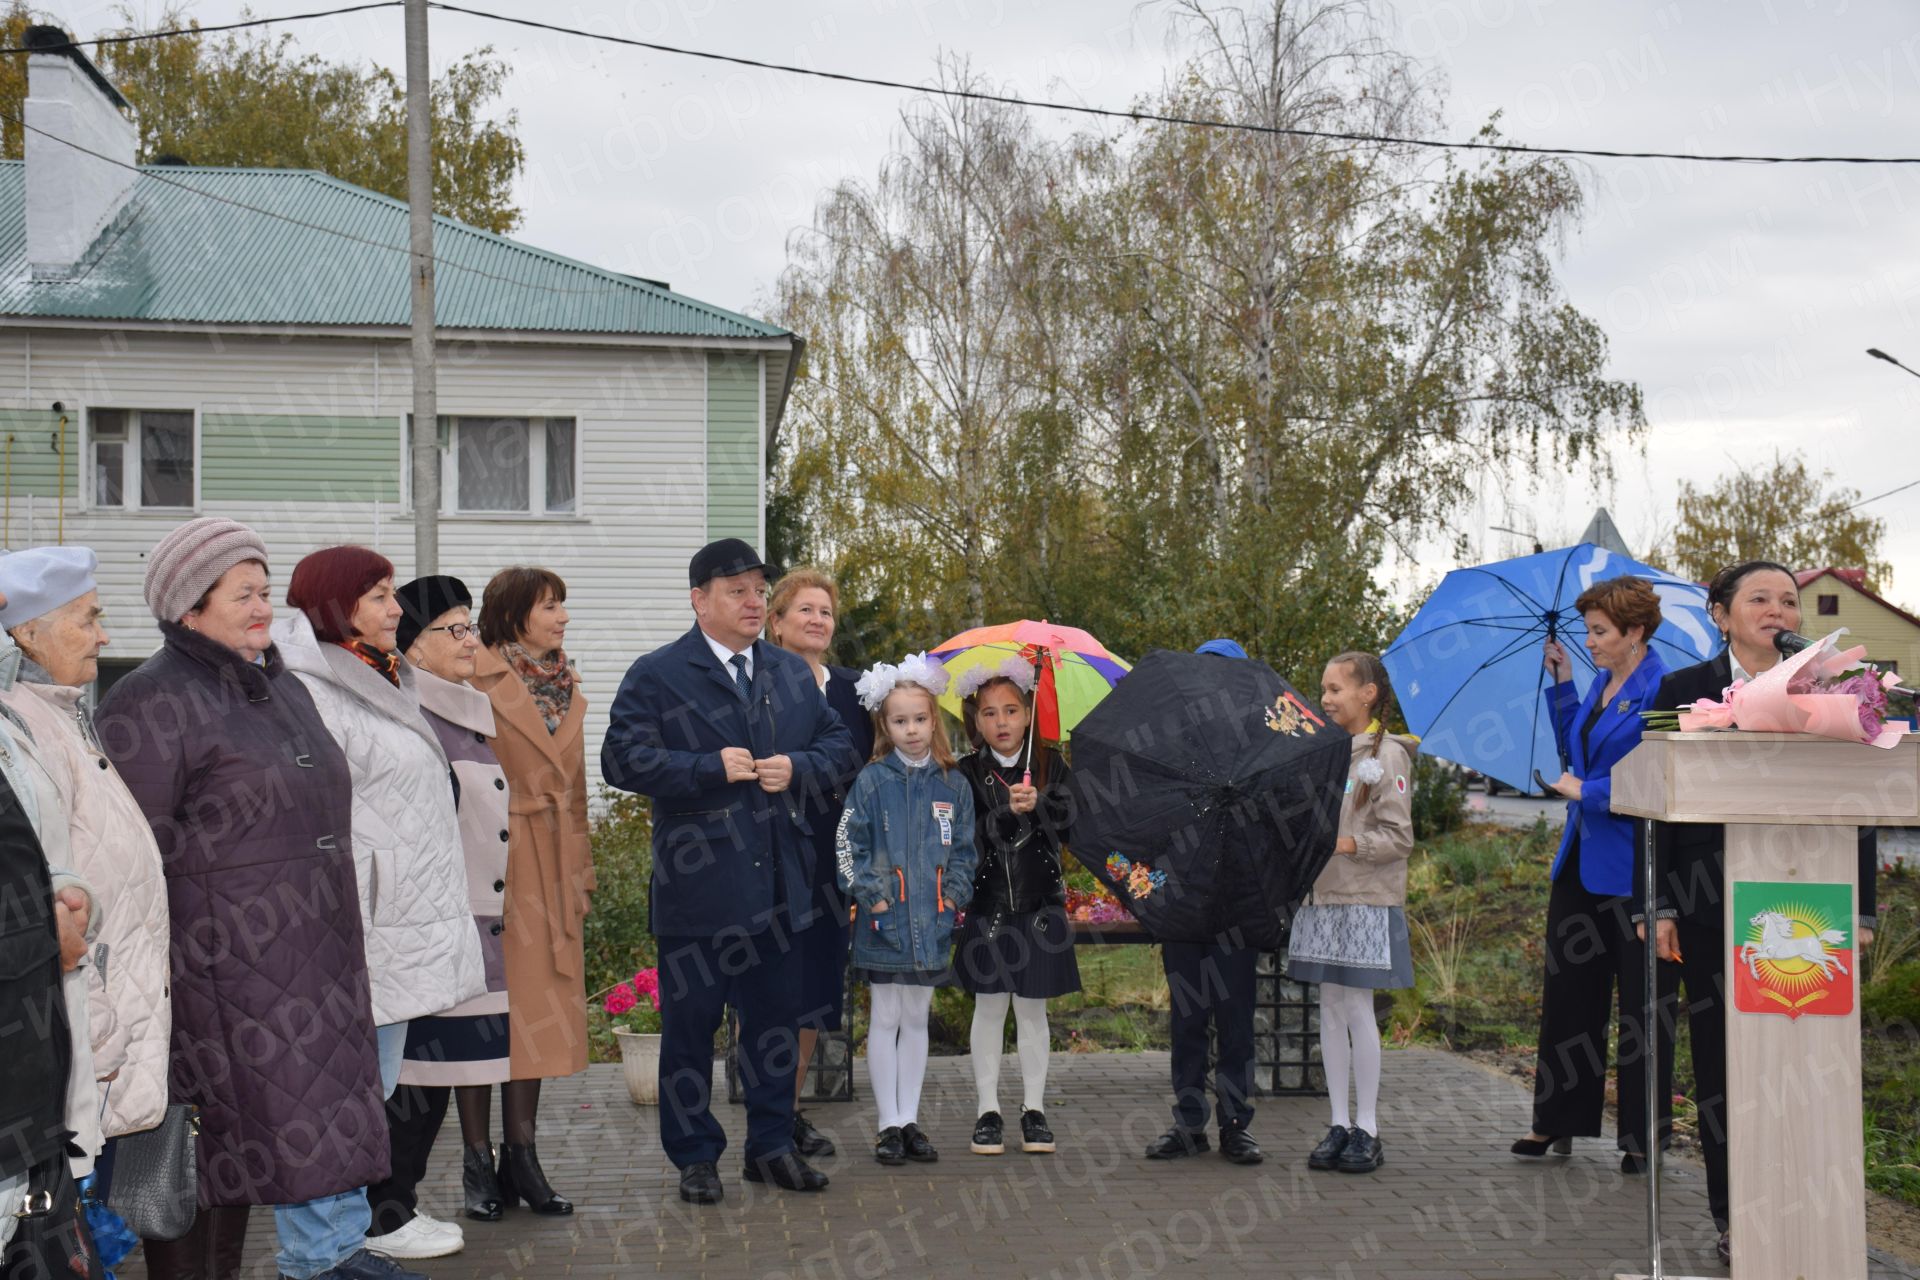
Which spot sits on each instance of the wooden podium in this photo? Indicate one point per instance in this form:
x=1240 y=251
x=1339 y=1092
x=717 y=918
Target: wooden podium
x=1792 y=806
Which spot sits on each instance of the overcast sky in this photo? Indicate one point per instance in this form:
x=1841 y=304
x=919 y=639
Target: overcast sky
x=1741 y=298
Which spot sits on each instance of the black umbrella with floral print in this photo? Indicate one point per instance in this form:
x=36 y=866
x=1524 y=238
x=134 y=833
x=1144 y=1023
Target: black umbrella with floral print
x=1207 y=796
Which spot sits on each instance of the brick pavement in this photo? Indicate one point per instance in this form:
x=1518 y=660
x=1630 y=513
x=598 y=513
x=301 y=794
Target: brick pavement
x=1451 y=1204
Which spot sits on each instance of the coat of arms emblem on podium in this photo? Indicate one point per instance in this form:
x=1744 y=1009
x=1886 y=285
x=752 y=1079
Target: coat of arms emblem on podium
x=1792 y=948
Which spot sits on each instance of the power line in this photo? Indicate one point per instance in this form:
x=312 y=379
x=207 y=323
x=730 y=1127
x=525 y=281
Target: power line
x=1155 y=117
x=200 y=31
x=1828 y=515
x=1876 y=497
x=1137 y=116
x=401 y=250
x=876 y=82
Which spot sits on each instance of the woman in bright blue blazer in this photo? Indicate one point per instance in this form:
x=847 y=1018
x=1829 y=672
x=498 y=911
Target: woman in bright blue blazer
x=1594 y=959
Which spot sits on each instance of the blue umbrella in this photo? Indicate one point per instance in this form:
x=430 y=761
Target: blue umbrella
x=1467 y=669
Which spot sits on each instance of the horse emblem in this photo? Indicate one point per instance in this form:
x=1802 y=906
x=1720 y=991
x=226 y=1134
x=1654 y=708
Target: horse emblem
x=1778 y=942
x=1793 y=955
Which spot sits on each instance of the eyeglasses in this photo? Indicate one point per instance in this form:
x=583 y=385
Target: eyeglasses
x=458 y=630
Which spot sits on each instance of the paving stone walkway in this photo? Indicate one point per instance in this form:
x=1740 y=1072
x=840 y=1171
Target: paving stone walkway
x=1451 y=1204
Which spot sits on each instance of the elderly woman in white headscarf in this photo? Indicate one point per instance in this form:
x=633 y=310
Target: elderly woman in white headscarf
x=53 y=614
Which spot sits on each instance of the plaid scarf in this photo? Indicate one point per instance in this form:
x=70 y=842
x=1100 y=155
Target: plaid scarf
x=550 y=680
x=387 y=664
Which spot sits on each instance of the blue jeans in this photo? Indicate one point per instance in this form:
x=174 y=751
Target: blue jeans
x=320 y=1234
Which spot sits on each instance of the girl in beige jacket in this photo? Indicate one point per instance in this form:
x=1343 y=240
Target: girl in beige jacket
x=1351 y=936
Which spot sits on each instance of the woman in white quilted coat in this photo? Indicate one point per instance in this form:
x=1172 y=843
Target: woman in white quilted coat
x=54 y=616
x=423 y=956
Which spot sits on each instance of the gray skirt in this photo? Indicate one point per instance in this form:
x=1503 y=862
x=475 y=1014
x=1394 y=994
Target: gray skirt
x=1351 y=946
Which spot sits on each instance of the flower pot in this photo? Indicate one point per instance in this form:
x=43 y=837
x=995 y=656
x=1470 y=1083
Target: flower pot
x=640 y=1057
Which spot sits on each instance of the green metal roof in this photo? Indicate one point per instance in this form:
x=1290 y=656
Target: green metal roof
x=296 y=247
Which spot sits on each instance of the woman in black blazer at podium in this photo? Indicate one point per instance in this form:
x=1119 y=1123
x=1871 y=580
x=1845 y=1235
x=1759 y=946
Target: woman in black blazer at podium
x=1751 y=603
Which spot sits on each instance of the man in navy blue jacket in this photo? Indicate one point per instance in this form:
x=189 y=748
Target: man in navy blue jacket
x=727 y=734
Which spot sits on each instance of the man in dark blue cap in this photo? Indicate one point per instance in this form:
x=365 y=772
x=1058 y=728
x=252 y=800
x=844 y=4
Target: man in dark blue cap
x=1211 y=981
x=726 y=732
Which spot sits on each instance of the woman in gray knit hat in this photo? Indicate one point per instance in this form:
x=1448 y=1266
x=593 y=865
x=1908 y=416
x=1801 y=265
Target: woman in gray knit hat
x=250 y=801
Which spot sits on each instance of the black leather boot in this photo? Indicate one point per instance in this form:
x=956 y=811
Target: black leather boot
x=521 y=1178
x=480 y=1183
x=226 y=1241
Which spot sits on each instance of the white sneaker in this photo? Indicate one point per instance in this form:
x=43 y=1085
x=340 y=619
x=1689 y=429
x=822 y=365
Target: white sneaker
x=423 y=1237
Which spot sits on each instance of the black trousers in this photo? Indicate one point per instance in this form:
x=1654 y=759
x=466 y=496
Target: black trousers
x=1596 y=966
x=699 y=978
x=1211 y=982
x=414 y=1116
x=1703 y=971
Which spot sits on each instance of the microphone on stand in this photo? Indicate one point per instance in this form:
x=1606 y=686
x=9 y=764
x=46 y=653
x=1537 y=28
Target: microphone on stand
x=1792 y=642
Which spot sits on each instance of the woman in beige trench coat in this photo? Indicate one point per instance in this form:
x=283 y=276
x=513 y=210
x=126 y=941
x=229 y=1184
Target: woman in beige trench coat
x=539 y=716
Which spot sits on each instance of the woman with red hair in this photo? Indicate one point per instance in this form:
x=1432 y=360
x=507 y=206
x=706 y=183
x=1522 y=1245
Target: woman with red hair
x=1594 y=961
x=423 y=956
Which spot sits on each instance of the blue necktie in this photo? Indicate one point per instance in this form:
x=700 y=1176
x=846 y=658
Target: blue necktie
x=739 y=663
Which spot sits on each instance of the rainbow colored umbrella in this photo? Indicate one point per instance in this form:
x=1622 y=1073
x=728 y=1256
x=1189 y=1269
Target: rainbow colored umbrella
x=1075 y=670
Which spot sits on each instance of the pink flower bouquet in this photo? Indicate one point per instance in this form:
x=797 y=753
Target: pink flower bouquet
x=1823 y=690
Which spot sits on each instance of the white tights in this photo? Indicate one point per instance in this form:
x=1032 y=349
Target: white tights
x=1350 y=1038
x=989 y=1034
x=897 y=1050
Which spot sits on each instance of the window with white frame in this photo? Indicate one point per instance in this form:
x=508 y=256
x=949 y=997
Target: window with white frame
x=141 y=458
x=510 y=466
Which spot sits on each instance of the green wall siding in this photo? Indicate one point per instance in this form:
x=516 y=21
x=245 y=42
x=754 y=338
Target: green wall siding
x=34 y=457
x=281 y=457
x=733 y=447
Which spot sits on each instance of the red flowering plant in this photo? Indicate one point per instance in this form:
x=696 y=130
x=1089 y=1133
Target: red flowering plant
x=1089 y=902
x=635 y=1006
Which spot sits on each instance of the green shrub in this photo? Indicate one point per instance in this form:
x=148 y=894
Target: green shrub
x=618 y=939
x=1473 y=857
x=1894 y=997
x=1439 y=798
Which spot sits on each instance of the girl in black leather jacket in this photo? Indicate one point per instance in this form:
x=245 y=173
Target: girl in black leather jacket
x=1015 y=947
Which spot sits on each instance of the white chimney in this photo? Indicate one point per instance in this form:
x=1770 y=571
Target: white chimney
x=72 y=197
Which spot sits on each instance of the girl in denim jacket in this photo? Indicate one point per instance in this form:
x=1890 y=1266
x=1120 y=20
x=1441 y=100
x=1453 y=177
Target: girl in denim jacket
x=905 y=856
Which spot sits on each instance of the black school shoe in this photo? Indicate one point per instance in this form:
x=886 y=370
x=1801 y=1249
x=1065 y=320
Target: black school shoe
x=786 y=1170
x=989 y=1135
x=1176 y=1143
x=1327 y=1154
x=1035 y=1137
x=809 y=1141
x=918 y=1148
x=1364 y=1153
x=890 y=1148
x=700 y=1184
x=1238 y=1146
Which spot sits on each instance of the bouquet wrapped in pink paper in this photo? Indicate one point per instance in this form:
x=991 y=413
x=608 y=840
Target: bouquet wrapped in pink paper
x=1823 y=690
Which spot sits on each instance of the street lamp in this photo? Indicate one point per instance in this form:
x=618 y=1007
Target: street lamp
x=1530 y=537
x=1878 y=354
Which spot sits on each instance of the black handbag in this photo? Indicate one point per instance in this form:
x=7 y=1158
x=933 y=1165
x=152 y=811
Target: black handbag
x=156 y=1176
x=50 y=1237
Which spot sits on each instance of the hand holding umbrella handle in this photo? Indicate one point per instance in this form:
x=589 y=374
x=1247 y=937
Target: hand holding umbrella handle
x=1558 y=664
x=1555 y=789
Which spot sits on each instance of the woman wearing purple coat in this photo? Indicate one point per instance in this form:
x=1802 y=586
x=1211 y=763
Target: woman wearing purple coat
x=250 y=801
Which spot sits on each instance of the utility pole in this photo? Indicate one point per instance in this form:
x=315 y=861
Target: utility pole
x=426 y=422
